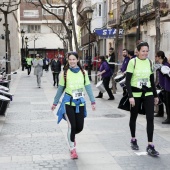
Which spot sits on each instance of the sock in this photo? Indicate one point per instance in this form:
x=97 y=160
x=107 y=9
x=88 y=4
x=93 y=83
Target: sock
x=71 y=144
x=133 y=139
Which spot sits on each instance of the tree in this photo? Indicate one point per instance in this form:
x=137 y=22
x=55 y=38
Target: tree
x=8 y=7
x=60 y=34
x=67 y=6
x=157 y=24
x=118 y=26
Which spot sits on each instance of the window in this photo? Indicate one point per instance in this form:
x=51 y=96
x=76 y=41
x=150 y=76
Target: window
x=34 y=28
x=100 y=10
x=57 y=11
x=58 y=28
x=31 y=13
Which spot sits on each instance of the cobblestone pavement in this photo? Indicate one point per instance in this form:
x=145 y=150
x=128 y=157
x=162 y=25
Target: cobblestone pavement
x=31 y=139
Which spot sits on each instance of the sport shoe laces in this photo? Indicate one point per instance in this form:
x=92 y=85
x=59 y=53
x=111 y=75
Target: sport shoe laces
x=151 y=150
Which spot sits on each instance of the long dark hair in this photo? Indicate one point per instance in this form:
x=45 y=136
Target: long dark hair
x=161 y=55
x=102 y=58
x=67 y=67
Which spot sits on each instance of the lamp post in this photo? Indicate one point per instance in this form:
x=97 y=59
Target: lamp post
x=58 y=51
x=6 y=45
x=89 y=17
x=70 y=27
x=34 y=45
x=22 y=49
x=26 y=49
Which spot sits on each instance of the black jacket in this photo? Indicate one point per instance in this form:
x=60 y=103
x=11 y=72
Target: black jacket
x=56 y=66
x=112 y=59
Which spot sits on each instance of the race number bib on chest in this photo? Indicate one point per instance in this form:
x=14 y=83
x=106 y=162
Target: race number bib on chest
x=78 y=93
x=142 y=82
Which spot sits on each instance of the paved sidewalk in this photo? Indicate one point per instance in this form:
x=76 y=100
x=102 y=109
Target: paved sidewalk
x=30 y=138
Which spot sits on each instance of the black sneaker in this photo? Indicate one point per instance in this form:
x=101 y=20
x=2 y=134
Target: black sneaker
x=151 y=150
x=134 y=144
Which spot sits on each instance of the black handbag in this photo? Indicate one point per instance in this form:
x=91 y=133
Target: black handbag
x=124 y=103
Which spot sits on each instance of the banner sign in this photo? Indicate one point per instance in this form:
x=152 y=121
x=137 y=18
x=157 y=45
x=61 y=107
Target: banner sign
x=108 y=33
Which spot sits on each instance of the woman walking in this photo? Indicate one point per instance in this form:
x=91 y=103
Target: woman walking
x=73 y=106
x=106 y=74
x=38 y=69
x=141 y=90
x=164 y=82
x=55 y=68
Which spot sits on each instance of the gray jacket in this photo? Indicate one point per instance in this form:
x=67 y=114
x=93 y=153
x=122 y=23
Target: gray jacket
x=38 y=67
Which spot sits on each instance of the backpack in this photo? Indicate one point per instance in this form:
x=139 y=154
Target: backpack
x=151 y=64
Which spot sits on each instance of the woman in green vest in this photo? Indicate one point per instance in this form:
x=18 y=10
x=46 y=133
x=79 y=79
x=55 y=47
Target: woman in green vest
x=141 y=90
x=73 y=106
x=29 y=64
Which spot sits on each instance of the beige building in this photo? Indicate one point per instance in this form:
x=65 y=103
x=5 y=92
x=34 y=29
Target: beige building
x=13 y=21
x=42 y=29
x=147 y=24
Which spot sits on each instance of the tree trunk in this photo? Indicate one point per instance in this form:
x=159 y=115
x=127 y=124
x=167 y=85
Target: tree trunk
x=73 y=25
x=7 y=46
x=157 y=25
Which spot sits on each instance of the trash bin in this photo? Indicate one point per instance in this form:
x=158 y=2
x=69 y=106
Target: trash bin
x=4 y=88
x=4 y=101
x=5 y=83
x=6 y=94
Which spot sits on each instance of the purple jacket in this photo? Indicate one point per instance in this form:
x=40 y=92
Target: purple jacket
x=161 y=79
x=167 y=79
x=105 y=66
x=125 y=63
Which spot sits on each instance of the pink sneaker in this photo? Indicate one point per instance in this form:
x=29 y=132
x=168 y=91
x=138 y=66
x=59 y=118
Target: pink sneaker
x=73 y=154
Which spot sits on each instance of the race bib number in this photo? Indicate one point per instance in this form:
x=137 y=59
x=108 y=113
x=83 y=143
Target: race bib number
x=78 y=93
x=142 y=82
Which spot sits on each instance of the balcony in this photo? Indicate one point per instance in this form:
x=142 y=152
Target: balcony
x=112 y=22
x=130 y=14
x=147 y=8
x=85 y=39
x=82 y=9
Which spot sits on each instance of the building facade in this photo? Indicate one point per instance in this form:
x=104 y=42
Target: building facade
x=13 y=27
x=42 y=29
x=147 y=27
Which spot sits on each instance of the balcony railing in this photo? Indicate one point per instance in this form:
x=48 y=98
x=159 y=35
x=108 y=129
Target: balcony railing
x=147 y=8
x=111 y=22
x=130 y=14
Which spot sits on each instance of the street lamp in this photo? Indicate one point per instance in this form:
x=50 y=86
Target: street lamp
x=22 y=49
x=5 y=25
x=58 y=52
x=89 y=17
x=35 y=38
x=70 y=27
x=26 y=41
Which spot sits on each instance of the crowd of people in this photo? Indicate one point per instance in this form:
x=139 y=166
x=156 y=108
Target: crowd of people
x=139 y=87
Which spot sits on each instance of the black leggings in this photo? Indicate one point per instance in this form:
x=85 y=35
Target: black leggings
x=29 y=69
x=167 y=104
x=106 y=81
x=56 y=78
x=76 y=120
x=148 y=104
